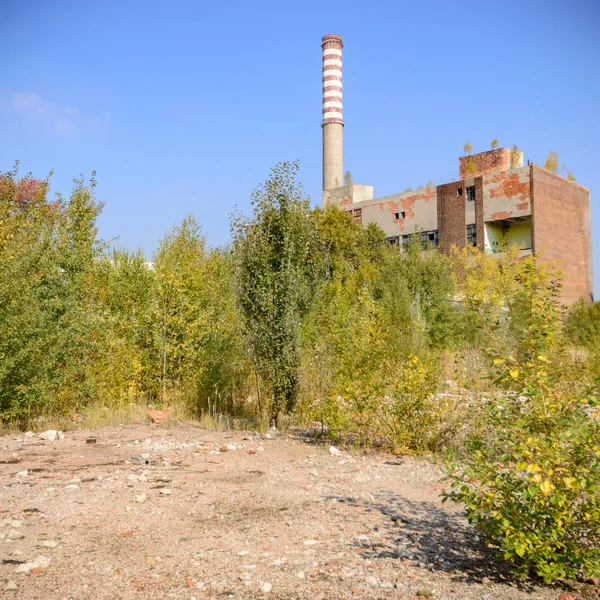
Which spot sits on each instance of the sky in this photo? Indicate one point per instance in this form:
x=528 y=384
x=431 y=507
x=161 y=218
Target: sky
x=185 y=106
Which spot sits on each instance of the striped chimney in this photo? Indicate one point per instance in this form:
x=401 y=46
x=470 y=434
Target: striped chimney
x=333 y=123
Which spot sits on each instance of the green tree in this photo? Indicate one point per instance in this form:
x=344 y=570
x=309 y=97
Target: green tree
x=494 y=144
x=467 y=148
x=278 y=264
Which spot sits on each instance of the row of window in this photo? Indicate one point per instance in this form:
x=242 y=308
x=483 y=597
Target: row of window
x=430 y=239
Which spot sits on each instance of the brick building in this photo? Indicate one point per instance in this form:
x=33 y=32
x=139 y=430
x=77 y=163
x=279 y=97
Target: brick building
x=497 y=203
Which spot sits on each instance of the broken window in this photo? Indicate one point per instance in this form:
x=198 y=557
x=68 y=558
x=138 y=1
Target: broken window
x=429 y=239
x=400 y=215
x=356 y=215
x=459 y=192
x=392 y=241
x=470 y=193
x=472 y=234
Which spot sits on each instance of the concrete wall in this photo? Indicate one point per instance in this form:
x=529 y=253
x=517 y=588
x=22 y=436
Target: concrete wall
x=561 y=229
x=507 y=194
x=488 y=162
x=347 y=194
x=419 y=208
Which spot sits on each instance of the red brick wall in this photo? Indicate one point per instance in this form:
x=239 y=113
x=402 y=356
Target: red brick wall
x=451 y=215
x=485 y=162
x=561 y=229
x=479 y=223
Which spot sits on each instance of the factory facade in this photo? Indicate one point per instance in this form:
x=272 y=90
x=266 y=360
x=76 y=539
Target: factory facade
x=497 y=202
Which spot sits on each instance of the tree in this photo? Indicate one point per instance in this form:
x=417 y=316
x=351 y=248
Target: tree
x=515 y=154
x=467 y=148
x=277 y=261
x=494 y=144
x=551 y=162
x=348 y=178
x=571 y=176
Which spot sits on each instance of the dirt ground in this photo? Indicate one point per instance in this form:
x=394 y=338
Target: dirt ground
x=169 y=512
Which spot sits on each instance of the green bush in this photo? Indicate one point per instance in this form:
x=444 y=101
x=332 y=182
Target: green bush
x=531 y=483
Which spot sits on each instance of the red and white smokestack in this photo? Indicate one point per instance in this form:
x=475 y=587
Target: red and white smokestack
x=333 y=122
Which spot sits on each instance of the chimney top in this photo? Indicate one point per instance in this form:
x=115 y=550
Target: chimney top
x=332 y=37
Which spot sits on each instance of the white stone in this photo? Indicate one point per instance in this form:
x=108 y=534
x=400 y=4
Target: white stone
x=141 y=498
x=29 y=434
x=333 y=450
x=300 y=574
x=22 y=473
x=49 y=435
x=16 y=524
x=370 y=580
x=72 y=486
x=10 y=586
x=50 y=543
x=15 y=535
x=165 y=492
x=266 y=588
x=310 y=542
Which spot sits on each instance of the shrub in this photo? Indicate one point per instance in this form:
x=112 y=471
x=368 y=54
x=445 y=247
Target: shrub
x=532 y=482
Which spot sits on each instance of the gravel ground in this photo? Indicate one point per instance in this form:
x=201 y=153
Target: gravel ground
x=169 y=512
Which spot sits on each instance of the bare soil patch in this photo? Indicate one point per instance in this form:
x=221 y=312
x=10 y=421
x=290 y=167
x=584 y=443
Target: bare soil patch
x=155 y=512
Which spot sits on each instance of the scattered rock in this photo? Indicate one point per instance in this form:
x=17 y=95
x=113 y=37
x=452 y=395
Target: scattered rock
x=23 y=473
x=165 y=491
x=300 y=575
x=29 y=434
x=16 y=524
x=310 y=542
x=266 y=588
x=251 y=451
x=10 y=586
x=72 y=486
x=52 y=435
x=15 y=535
x=50 y=543
x=372 y=581
x=158 y=416
x=333 y=450
x=91 y=440
x=141 y=498
x=565 y=596
x=40 y=562
x=228 y=447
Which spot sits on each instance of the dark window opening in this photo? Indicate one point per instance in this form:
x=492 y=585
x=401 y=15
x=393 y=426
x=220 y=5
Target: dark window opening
x=471 y=193
x=400 y=215
x=392 y=241
x=472 y=235
x=459 y=191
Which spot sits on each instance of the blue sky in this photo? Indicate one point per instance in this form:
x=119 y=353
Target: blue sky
x=184 y=106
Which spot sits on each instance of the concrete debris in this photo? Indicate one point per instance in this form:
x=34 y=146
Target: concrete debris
x=40 y=562
x=51 y=435
x=23 y=473
x=333 y=450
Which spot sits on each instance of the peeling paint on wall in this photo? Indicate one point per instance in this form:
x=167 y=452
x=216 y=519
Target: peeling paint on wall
x=500 y=215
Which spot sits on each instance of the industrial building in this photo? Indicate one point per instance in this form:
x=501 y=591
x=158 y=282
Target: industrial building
x=496 y=203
